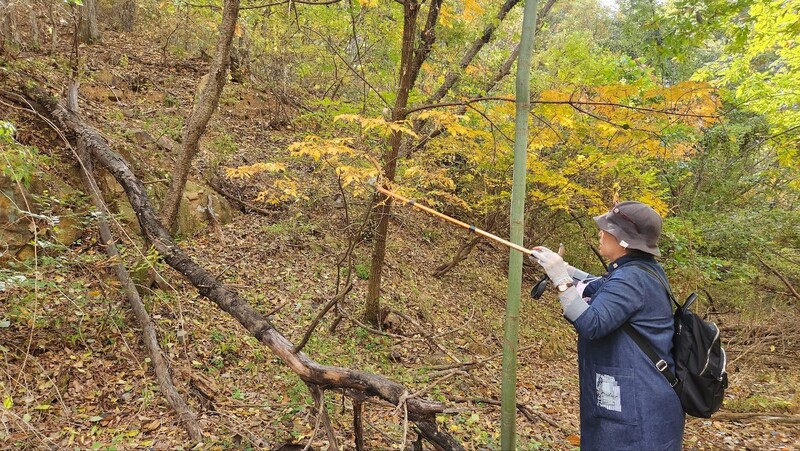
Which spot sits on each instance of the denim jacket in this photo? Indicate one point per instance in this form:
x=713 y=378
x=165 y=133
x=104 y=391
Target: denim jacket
x=625 y=402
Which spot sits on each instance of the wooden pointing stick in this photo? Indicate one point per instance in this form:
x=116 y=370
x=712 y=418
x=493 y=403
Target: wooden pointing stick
x=433 y=212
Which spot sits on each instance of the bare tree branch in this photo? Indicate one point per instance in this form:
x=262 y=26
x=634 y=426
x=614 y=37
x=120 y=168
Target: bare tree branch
x=453 y=75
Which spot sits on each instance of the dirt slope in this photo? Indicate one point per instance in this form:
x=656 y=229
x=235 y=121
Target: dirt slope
x=74 y=373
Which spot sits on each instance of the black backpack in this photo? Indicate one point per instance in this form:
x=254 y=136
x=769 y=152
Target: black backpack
x=700 y=379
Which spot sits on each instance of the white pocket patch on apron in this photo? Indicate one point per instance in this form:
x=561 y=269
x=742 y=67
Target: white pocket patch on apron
x=608 y=396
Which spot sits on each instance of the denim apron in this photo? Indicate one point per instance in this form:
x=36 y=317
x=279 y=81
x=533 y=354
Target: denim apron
x=626 y=404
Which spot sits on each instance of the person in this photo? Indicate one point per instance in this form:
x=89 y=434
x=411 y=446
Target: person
x=625 y=402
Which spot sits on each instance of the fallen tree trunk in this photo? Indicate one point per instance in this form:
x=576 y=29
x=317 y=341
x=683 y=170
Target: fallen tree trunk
x=422 y=412
x=186 y=414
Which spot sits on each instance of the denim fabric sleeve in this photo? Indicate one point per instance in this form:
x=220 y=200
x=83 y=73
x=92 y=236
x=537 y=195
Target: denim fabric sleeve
x=593 y=286
x=615 y=302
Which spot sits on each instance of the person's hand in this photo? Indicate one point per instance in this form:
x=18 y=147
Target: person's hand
x=553 y=264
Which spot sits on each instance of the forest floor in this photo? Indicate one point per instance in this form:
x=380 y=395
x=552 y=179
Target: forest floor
x=75 y=374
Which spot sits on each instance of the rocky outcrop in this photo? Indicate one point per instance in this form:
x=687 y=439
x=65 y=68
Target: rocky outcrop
x=22 y=220
x=194 y=213
x=16 y=227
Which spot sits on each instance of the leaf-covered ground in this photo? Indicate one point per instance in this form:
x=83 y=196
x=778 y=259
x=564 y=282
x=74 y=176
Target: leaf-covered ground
x=75 y=374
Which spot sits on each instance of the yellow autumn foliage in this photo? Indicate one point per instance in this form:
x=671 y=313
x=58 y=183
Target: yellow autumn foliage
x=472 y=10
x=317 y=148
x=453 y=123
x=253 y=169
x=379 y=125
x=282 y=190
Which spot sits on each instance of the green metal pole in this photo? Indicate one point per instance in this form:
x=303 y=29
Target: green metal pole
x=508 y=407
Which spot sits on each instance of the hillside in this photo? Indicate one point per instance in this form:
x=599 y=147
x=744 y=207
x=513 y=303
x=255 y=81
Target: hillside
x=75 y=374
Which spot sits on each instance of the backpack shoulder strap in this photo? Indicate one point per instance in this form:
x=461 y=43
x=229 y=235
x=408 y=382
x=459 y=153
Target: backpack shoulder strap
x=660 y=364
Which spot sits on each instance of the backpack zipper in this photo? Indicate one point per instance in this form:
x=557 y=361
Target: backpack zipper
x=708 y=353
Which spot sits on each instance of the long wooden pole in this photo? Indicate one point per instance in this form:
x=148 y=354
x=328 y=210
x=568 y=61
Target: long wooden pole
x=508 y=403
x=471 y=228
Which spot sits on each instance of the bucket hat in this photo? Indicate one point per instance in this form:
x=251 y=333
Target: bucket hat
x=634 y=224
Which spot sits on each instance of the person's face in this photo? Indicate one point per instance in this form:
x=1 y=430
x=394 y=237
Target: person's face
x=610 y=247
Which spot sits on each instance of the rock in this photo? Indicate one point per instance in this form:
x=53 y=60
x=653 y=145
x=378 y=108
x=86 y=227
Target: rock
x=104 y=76
x=27 y=252
x=96 y=93
x=69 y=229
x=140 y=137
x=15 y=228
x=115 y=94
x=191 y=195
x=127 y=216
x=166 y=143
x=193 y=212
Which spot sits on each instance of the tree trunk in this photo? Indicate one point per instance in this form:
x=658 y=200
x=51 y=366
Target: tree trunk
x=508 y=409
x=88 y=31
x=9 y=32
x=53 y=28
x=128 y=15
x=206 y=100
x=353 y=383
x=411 y=60
x=32 y=13
x=4 y=30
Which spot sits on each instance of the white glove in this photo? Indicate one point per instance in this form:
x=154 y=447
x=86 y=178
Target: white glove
x=553 y=264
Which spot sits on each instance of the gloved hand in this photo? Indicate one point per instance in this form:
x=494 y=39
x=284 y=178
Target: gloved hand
x=553 y=264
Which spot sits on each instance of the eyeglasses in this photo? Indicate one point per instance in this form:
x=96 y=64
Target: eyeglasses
x=616 y=210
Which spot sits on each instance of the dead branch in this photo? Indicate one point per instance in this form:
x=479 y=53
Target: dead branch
x=466 y=247
x=452 y=76
x=427 y=336
x=766 y=417
x=319 y=397
x=477 y=363
x=524 y=410
x=241 y=205
x=423 y=412
x=322 y=313
x=278 y=308
x=780 y=276
x=322 y=418
x=461 y=254
x=358 y=424
x=576 y=104
x=186 y=414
